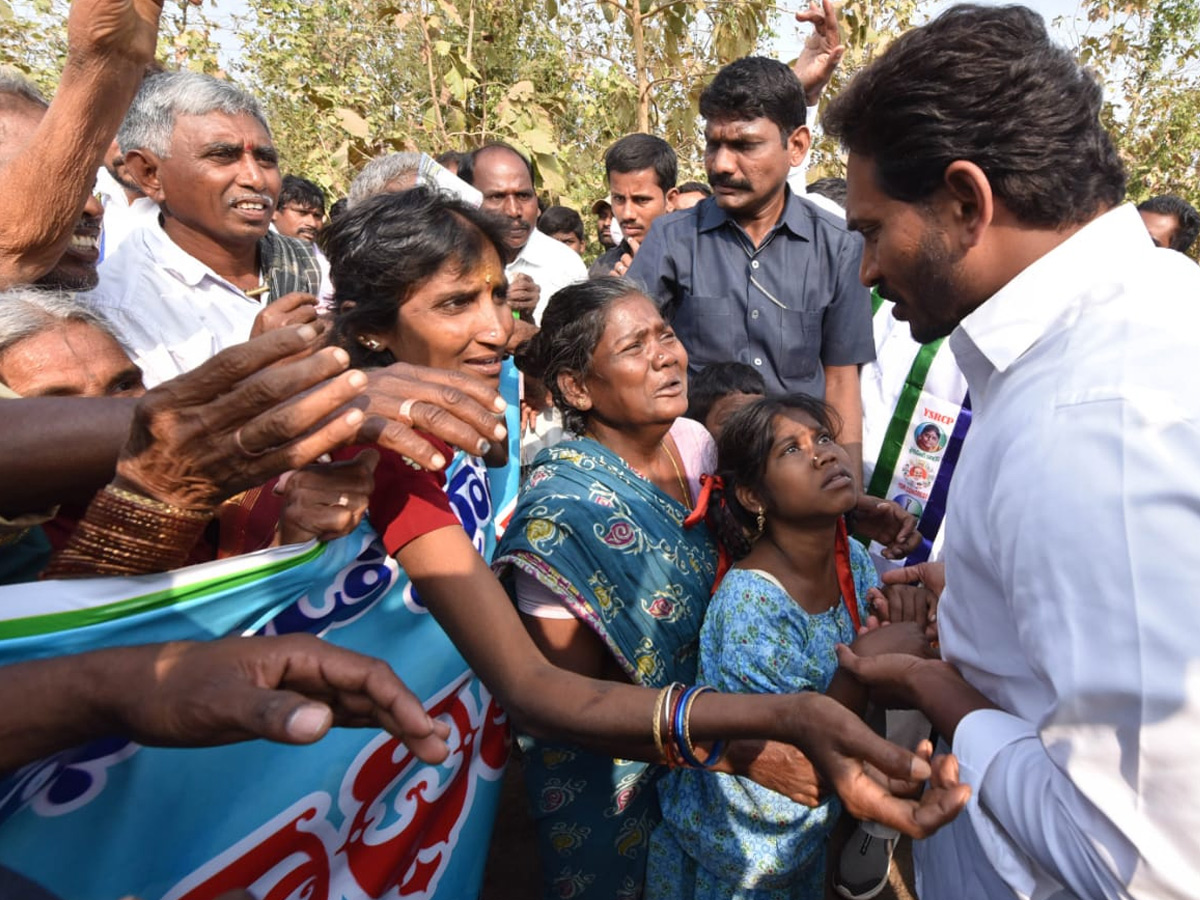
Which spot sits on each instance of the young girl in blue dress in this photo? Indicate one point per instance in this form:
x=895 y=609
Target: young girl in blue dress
x=797 y=590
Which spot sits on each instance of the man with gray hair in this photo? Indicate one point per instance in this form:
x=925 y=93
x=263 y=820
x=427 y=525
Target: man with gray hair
x=209 y=273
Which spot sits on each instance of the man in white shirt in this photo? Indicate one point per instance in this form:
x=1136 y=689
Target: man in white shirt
x=200 y=278
x=505 y=178
x=989 y=197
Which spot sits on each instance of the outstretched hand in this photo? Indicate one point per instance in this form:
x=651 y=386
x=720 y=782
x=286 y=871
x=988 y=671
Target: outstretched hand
x=248 y=414
x=460 y=409
x=823 y=50
x=291 y=689
x=847 y=752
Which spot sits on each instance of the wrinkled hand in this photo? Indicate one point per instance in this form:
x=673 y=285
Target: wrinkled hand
x=326 y=502
x=930 y=574
x=110 y=30
x=290 y=689
x=622 y=265
x=523 y=293
x=889 y=524
x=906 y=603
x=780 y=767
x=239 y=420
x=823 y=49
x=846 y=752
x=461 y=410
x=291 y=309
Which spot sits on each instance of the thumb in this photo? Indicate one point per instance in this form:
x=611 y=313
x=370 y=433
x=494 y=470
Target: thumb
x=904 y=574
x=634 y=244
x=278 y=715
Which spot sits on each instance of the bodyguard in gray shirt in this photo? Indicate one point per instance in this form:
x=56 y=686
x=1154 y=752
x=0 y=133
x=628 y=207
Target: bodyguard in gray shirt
x=756 y=274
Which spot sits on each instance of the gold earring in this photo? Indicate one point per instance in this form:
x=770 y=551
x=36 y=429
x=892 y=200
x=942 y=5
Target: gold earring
x=371 y=344
x=760 y=520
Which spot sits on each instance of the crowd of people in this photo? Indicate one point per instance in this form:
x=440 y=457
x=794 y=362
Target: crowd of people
x=862 y=497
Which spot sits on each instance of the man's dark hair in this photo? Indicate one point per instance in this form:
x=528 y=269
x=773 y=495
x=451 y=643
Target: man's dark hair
x=695 y=187
x=384 y=247
x=717 y=380
x=986 y=85
x=831 y=188
x=557 y=219
x=466 y=166
x=302 y=192
x=1184 y=213
x=755 y=87
x=635 y=152
x=451 y=159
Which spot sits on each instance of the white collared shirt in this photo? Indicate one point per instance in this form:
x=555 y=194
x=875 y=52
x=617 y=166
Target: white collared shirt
x=121 y=215
x=170 y=310
x=1072 y=554
x=550 y=263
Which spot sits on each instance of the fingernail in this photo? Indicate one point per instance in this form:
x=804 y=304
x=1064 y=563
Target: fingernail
x=500 y=433
x=309 y=722
x=500 y=405
x=439 y=461
x=354 y=417
x=307 y=332
x=341 y=356
x=357 y=379
x=324 y=458
x=484 y=447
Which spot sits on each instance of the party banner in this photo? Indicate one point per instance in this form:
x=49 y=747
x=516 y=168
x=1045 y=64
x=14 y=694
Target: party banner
x=353 y=816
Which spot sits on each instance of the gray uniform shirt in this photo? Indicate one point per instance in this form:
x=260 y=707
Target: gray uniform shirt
x=788 y=308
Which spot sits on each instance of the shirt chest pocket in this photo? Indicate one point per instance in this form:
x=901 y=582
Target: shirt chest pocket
x=705 y=325
x=800 y=335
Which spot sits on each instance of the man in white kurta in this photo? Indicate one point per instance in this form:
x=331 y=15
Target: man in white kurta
x=1070 y=691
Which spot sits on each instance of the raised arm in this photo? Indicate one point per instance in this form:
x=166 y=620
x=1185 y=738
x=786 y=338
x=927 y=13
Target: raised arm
x=47 y=183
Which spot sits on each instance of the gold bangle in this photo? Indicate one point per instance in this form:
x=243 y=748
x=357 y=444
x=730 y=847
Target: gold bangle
x=158 y=506
x=663 y=702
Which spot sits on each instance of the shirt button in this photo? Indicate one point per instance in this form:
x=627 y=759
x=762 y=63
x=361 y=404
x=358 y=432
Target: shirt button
x=757 y=361
x=754 y=263
x=754 y=313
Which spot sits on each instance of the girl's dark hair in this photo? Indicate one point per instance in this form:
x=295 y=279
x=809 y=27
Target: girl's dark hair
x=742 y=452
x=715 y=381
x=383 y=248
x=572 y=326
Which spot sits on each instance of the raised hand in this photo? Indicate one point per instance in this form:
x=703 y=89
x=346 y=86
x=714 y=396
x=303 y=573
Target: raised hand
x=823 y=49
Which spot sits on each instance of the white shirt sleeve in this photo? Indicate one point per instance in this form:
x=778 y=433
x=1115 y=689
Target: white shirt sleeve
x=1100 y=792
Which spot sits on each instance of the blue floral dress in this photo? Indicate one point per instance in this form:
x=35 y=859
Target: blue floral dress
x=723 y=837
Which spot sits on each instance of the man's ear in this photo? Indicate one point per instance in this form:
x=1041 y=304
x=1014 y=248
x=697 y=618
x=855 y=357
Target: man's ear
x=672 y=196
x=798 y=143
x=970 y=204
x=143 y=166
x=575 y=391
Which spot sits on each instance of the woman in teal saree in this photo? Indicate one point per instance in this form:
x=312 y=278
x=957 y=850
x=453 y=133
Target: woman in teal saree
x=609 y=580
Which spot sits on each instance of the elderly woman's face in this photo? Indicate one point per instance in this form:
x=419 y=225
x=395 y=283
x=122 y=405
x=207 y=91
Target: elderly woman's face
x=456 y=320
x=71 y=359
x=638 y=374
